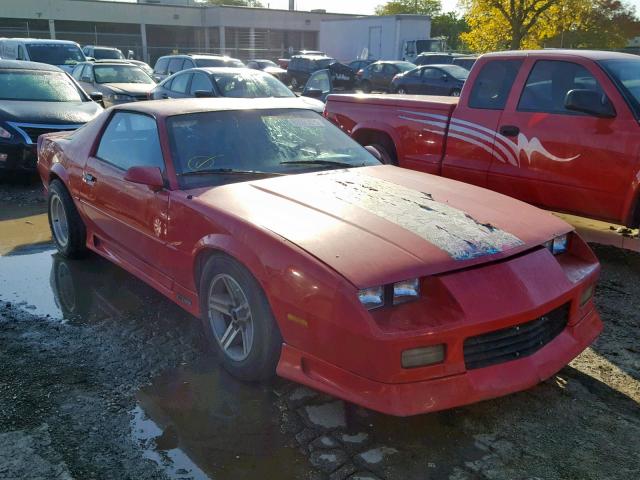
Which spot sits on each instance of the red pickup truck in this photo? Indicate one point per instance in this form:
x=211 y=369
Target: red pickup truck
x=556 y=128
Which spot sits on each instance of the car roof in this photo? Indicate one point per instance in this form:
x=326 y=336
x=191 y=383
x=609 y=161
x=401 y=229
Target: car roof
x=314 y=57
x=224 y=70
x=590 y=54
x=24 y=65
x=41 y=40
x=182 y=106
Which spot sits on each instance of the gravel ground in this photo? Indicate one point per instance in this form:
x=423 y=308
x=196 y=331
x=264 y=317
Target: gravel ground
x=74 y=392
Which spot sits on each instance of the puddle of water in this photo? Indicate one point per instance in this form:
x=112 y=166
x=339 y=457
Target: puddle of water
x=198 y=419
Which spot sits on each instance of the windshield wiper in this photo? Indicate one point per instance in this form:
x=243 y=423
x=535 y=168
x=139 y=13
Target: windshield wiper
x=227 y=171
x=328 y=163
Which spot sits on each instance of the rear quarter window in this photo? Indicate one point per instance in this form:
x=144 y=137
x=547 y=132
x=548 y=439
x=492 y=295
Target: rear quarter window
x=161 y=66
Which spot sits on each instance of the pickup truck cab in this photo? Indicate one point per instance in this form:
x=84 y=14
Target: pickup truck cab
x=555 y=128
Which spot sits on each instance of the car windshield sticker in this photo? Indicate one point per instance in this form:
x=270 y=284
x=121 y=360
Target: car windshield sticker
x=446 y=227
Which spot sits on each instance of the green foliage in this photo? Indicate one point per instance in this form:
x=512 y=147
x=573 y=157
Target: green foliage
x=450 y=26
x=422 y=7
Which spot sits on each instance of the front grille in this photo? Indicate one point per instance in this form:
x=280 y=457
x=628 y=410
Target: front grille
x=514 y=342
x=33 y=131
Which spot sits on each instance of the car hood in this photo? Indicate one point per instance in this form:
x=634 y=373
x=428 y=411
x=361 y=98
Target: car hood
x=58 y=113
x=312 y=103
x=129 y=88
x=381 y=224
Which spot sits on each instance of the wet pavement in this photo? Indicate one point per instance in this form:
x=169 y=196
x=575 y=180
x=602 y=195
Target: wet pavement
x=125 y=388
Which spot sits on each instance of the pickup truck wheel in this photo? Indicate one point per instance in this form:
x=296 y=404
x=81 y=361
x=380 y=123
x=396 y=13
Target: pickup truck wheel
x=455 y=92
x=386 y=157
x=238 y=321
x=366 y=86
x=402 y=91
x=67 y=228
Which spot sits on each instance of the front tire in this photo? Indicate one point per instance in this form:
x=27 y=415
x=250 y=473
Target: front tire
x=366 y=86
x=403 y=91
x=238 y=321
x=455 y=92
x=67 y=228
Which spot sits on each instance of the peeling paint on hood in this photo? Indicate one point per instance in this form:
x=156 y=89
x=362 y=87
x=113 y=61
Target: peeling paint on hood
x=448 y=228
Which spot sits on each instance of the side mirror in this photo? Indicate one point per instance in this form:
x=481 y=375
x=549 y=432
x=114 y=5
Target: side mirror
x=312 y=93
x=589 y=102
x=97 y=97
x=374 y=151
x=203 y=94
x=149 y=176
x=90 y=59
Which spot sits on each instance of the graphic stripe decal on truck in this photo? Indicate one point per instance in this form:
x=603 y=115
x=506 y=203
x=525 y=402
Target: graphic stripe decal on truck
x=473 y=133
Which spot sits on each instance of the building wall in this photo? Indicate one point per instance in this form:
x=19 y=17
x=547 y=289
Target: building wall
x=151 y=31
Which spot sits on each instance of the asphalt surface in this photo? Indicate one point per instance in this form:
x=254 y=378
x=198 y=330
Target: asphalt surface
x=103 y=378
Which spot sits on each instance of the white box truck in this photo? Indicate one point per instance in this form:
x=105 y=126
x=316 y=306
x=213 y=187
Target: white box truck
x=388 y=37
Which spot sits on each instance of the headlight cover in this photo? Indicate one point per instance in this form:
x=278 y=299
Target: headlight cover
x=558 y=245
x=406 y=291
x=121 y=97
x=6 y=134
x=372 y=297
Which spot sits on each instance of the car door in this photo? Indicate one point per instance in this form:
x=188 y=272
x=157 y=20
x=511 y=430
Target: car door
x=87 y=81
x=130 y=219
x=431 y=81
x=471 y=133
x=388 y=72
x=200 y=83
x=179 y=86
x=565 y=160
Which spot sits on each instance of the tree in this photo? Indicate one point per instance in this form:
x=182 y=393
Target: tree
x=450 y=26
x=513 y=24
x=421 y=7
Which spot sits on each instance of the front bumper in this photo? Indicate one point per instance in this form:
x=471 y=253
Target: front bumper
x=405 y=399
x=18 y=157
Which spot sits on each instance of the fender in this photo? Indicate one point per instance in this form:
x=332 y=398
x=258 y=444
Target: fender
x=380 y=127
x=58 y=170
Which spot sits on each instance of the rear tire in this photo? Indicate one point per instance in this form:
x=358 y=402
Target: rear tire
x=238 y=321
x=366 y=86
x=67 y=228
x=403 y=91
x=386 y=152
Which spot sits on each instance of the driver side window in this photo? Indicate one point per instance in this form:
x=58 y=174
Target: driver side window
x=131 y=140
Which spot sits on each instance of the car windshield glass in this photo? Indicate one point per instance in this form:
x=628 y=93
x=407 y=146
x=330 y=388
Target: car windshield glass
x=37 y=86
x=456 y=71
x=215 y=145
x=55 y=53
x=120 y=74
x=107 y=54
x=219 y=62
x=266 y=63
x=321 y=64
x=250 y=84
x=405 y=66
x=626 y=75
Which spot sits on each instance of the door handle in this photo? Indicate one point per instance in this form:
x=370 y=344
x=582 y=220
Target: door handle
x=509 y=130
x=88 y=178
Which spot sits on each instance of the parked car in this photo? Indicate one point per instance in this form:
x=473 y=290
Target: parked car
x=119 y=82
x=102 y=53
x=431 y=58
x=302 y=66
x=378 y=75
x=269 y=67
x=36 y=98
x=284 y=62
x=431 y=80
x=143 y=65
x=263 y=240
x=227 y=82
x=170 y=64
x=466 y=61
x=555 y=128
x=61 y=53
x=358 y=65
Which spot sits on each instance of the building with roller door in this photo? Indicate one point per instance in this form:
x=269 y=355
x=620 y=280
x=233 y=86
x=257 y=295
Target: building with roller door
x=152 y=28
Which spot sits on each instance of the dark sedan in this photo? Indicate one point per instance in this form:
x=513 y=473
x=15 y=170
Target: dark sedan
x=378 y=75
x=227 y=82
x=432 y=80
x=119 y=82
x=34 y=99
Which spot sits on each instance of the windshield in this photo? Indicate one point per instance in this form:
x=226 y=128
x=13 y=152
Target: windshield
x=120 y=74
x=266 y=63
x=456 y=71
x=250 y=84
x=55 y=53
x=626 y=75
x=107 y=54
x=37 y=86
x=219 y=62
x=282 y=142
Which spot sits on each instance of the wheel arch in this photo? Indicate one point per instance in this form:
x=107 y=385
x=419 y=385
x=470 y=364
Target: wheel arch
x=369 y=135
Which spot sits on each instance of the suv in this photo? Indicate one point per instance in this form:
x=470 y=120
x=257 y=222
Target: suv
x=102 y=53
x=302 y=66
x=429 y=58
x=170 y=64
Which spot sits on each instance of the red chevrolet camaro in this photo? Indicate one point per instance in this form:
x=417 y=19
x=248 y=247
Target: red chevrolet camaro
x=303 y=255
